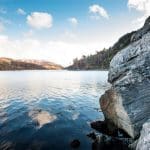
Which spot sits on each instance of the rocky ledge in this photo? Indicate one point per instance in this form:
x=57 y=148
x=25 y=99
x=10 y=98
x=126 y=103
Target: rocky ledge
x=126 y=105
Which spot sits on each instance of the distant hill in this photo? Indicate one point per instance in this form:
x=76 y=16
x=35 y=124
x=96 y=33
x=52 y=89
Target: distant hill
x=101 y=59
x=11 y=64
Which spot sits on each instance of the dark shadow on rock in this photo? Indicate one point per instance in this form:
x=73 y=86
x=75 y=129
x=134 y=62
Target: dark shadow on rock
x=102 y=127
x=104 y=142
x=107 y=139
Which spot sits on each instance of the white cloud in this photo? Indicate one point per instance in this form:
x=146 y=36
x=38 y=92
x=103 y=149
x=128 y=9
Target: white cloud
x=98 y=11
x=142 y=6
x=58 y=51
x=3 y=38
x=21 y=11
x=73 y=21
x=40 y=20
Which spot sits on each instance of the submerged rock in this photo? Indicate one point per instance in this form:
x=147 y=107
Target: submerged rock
x=75 y=143
x=42 y=117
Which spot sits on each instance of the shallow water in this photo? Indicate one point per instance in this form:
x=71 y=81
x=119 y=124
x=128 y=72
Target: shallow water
x=45 y=110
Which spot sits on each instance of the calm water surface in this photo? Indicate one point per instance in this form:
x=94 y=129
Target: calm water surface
x=45 y=110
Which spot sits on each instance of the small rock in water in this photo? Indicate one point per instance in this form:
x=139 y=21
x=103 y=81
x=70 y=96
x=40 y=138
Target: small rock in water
x=92 y=135
x=75 y=143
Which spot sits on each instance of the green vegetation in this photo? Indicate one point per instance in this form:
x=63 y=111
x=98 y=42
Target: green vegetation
x=101 y=59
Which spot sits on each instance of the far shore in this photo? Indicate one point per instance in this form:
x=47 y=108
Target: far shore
x=57 y=70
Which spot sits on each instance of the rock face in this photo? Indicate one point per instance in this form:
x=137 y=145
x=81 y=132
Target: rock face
x=144 y=140
x=127 y=104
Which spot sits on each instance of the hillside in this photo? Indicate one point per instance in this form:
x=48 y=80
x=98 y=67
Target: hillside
x=11 y=64
x=101 y=59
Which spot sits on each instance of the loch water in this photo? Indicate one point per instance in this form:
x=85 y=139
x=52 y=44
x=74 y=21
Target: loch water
x=46 y=110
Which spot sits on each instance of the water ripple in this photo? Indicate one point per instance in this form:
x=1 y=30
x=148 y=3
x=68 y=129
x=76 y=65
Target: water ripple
x=39 y=109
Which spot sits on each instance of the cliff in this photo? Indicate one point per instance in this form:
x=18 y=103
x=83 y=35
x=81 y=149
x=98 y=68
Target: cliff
x=126 y=104
x=11 y=64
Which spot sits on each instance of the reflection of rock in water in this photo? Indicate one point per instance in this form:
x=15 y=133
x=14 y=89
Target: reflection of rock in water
x=42 y=117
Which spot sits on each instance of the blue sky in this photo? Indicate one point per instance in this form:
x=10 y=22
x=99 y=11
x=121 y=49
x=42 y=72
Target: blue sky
x=60 y=30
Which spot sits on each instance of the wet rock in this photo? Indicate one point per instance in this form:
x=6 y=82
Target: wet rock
x=104 y=142
x=102 y=127
x=108 y=129
x=92 y=135
x=75 y=143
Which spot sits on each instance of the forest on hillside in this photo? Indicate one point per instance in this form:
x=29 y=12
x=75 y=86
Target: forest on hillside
x=101 y=59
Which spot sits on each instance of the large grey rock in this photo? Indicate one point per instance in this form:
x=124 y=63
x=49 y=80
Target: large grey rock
x=144 y=140
x=127 y=104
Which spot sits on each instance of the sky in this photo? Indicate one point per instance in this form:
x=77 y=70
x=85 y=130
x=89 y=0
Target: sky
x=61 y=30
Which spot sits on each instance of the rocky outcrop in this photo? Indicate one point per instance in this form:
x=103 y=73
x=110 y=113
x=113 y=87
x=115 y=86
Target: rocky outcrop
x=126 y=105
x=11 y=64
x=144 y=140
